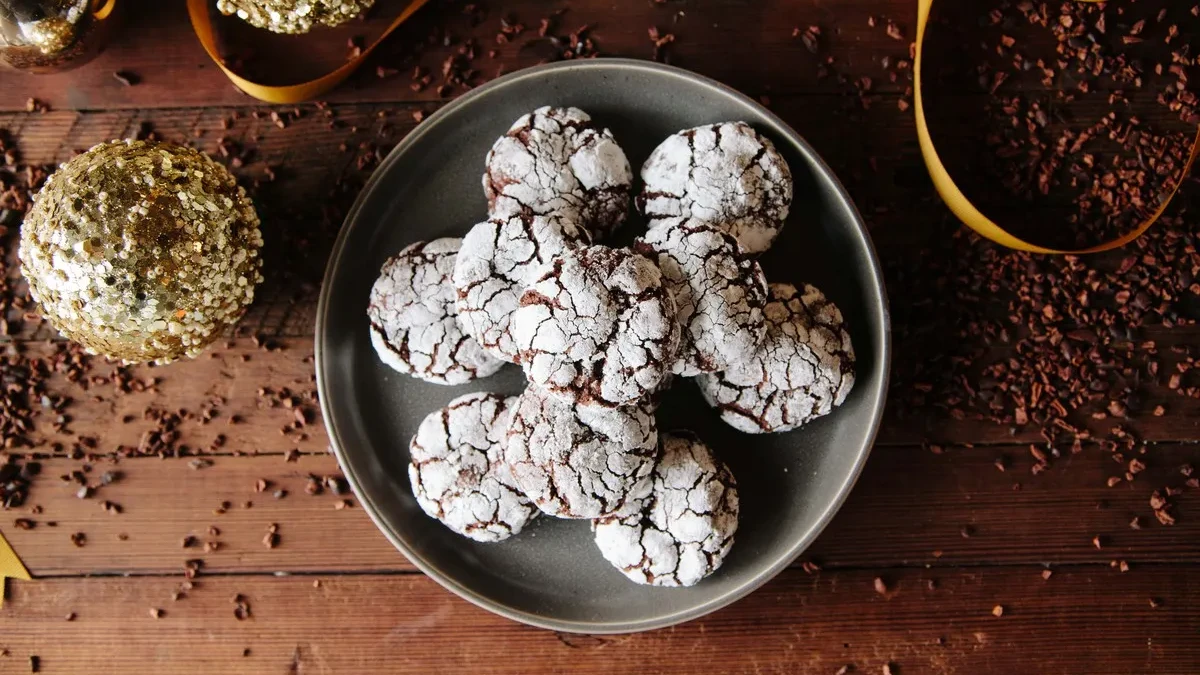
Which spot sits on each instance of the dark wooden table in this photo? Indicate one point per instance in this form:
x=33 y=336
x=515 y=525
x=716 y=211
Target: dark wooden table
x=948 y=514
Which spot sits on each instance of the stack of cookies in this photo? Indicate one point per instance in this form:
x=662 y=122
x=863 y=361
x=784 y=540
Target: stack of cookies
x=601 y=332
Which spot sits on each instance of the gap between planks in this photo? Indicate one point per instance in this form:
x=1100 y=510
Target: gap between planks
x=1081 y=620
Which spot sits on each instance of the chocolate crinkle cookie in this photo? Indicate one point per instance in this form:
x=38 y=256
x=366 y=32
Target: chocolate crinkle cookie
x=577 y=461
x=413 y=325
x=719 y=293
x=498 y=258
x=683 y=528
x=726 y=174
x=458 y=474
x=802 y=370
x=556 y=160
x=598 y=328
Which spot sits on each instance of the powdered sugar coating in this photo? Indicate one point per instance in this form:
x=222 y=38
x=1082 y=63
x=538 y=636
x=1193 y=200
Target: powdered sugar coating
x=598 y=328
x=413 y=327
x=685 y=525
x=498 y=259
x=556 y=160
x=804 y=368
x=719 y=293
x=457 y=472
x=727 y=174
x=579 y=461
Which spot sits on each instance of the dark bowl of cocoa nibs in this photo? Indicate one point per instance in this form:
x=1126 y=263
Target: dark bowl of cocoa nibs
x=602 y=346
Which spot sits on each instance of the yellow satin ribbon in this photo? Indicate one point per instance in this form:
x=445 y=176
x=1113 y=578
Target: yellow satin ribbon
x=292 y=93
x=10 y=566
x=966 y=211
x=101 y=9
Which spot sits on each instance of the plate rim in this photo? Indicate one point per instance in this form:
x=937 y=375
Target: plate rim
x=883 y=357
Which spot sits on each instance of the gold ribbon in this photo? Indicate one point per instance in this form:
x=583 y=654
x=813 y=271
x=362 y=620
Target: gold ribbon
x=291 y=93
x=101 y=9
x=966 y=211
x=10 y=566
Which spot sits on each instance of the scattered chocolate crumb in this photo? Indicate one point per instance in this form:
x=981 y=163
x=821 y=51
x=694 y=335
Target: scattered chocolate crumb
x=271 y=538
x=241 y=607
x=79 y=539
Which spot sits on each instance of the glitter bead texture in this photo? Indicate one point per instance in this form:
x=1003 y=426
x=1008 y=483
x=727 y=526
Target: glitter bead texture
x=294 y=16
x=142 y=251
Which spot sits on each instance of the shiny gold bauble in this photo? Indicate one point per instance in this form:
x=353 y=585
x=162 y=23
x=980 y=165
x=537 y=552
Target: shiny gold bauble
x=294 y=16
x=142 y=251
x=46 y=36
x=52 y=35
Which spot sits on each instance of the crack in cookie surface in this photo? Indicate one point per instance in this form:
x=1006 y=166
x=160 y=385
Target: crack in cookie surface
x=498 y=259
x=578 y=461
x=727 y=174
x=557 y=161
x=598 y=328
x=412 y=317
x=803 y=369
x=719 y=294
x=457 y=471
x=682 y=528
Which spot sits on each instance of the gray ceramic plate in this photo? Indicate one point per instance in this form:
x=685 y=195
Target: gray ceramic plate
x=551 y=575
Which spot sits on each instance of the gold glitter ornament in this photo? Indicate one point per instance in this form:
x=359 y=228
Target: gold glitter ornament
x=45 y=36
x=52 y=35
x=142 y=251
x=294 y=16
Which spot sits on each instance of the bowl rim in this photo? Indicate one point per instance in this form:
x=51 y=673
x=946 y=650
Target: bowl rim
x=882 y=356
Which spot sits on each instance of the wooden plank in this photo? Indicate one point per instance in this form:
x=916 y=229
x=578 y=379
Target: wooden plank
x=226 y=380
x=235 y=370
x=316 y=170
x=909 y=508
x=749 y=46
x=1080 y=621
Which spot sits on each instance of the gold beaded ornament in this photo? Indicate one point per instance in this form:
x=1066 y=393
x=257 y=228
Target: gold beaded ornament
x=142 y=251
x=294 y=16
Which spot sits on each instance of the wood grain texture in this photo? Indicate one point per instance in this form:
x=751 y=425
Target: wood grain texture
x=235 y=370
x=758 y=51
x=884 y=173
x=909 y=509
x=1080 y=621
x=905 y=522
x=226 y=379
